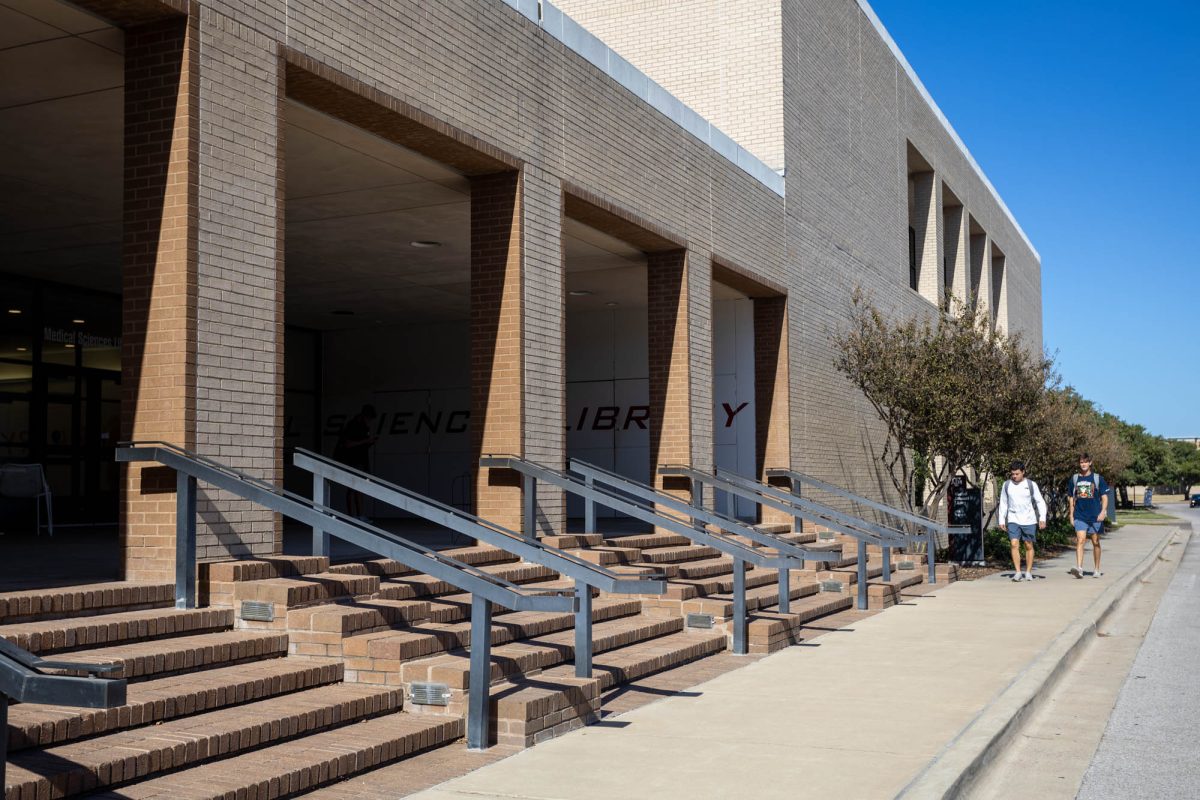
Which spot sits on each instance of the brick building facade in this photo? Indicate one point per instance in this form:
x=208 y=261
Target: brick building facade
x=785 y=150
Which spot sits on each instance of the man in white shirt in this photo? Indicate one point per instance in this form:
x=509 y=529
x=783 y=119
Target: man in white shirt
x=1023 y=514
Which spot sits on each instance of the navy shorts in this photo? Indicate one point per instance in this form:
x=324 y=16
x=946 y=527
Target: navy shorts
x=1090 y=528
x=1026 y=533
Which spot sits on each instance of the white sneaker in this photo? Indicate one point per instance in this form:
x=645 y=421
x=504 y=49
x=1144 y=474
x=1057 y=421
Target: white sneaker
x=1018 y=577
x=1028 y=575
x=1076 y=571
x=1097 y=574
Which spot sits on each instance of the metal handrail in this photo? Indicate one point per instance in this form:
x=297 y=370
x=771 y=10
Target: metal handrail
x=797 y=477
x=692 y=527
x=801 y=508
x=22 y=680
x=585 y=574
x=485 y=589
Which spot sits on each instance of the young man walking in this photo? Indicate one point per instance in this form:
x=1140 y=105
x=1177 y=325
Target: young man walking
x=1023 y=514
x=1089 y=507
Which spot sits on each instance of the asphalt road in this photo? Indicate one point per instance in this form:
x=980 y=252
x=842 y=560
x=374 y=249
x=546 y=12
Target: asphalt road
x=1149 y=748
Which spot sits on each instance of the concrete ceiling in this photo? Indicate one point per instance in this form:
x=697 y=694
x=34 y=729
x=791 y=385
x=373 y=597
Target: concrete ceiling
x=354 y=202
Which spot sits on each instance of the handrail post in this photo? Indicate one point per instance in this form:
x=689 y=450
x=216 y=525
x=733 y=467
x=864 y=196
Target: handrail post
x=589 y=507
x=932 y=542
x=698 y=502
x=3 y=735
x=320 y=495
x=478 y=711
x=529 y=507
x=862 y=575
x=785 y=591
x=797 y=522
x=583 y=630
x=185 y=540
x=739 y=607
x=887 y=562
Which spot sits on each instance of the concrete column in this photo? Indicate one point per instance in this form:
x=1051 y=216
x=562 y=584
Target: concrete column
x=518 y=388
x=158 y=357
x=927 y=221
x=679 y=289
x=772 y=400
x=203 y=289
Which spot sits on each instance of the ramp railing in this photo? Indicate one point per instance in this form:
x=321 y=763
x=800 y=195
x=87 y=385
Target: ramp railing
x=22 y=679
x=484 y=588
x=865 y=531
x=585 y=574
x=665 y=511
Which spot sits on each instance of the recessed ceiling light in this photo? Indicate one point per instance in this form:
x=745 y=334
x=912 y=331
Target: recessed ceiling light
x=342 y=312
x=425 y=243
x=69 y=346
x=79 y=321
x=14 y=311
x=22 y=349
x=579 y=293
x=612 y=304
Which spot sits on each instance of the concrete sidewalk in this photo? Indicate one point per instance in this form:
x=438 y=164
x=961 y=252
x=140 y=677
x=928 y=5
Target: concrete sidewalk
x=857 y=714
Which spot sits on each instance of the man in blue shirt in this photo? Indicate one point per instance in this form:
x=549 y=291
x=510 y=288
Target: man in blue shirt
x=1089 y=507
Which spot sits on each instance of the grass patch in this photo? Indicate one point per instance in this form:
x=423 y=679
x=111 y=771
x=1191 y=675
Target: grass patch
x=1141 y=516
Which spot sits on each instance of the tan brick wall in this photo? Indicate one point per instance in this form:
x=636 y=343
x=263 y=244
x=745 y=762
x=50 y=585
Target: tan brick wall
x=721 y=57
x=159 y=279
x=772 y=404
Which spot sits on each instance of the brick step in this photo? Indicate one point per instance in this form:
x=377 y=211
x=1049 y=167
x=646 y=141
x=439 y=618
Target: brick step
x=721 y=606
x=130 y=755
x=769 y=630
x=53 y=636
x=457 y=607
x=644 y=541
x=163 y=657
x=606 y=555
x=849 y=573
x=394 y=647
x=475 y=555
x=706 y=568
x=306 y=590
x=162 y=699
x=530 y=711
x=778 y=528
x=541 y=652
x=356 y=616
x=423 y=586
x=287 y=769
x=570 y=540
x=679 y=589
x=30 y=605
x=669 y=555
x=884 y=594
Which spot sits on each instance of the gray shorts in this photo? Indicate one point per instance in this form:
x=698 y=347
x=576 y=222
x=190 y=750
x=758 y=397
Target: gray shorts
x=1025 y=533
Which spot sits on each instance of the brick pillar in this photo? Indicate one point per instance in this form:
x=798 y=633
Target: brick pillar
x=955 y=255
x=679 y=294
x=927 y=221
x=772 y=400
x=981 y=272
x=158 y=357
x=239 y=332
x=203 y=291
x=496 y=379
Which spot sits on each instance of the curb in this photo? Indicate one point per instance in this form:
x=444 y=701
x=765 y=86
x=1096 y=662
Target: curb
x=958 y=764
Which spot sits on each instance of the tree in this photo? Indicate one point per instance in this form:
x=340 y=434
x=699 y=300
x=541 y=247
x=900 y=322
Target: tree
x=1184 y=467
x=952 y=392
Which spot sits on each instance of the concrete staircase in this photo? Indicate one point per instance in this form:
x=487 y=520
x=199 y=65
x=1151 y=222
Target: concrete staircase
x=298 y=673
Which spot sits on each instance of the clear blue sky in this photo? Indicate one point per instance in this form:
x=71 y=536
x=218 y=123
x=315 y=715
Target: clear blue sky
x=1086 y=117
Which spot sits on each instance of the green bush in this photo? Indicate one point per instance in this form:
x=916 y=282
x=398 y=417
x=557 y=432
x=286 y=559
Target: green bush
x=1059 y=533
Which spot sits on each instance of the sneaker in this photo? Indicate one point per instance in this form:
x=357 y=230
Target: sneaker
x=1076 y=571
x=1028 y=575
x=1018 y=577
x=1097 y=574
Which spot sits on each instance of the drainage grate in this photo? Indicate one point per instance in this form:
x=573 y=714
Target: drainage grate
x=832 y=586
x=699 y=620
x=425 y=693
x=258 y=611
x=906 y=565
